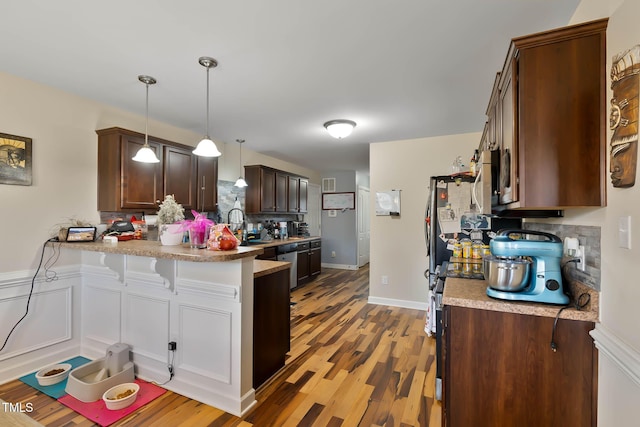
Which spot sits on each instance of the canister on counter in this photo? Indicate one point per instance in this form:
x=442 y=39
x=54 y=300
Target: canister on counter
x=457 y=250
x=476 y=249
x=477 y=270
x=466 y=248
x=467 y=269
x=486 y=250
x=455 y=268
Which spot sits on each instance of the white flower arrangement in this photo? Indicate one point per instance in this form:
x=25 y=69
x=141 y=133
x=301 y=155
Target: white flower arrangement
x=170 y=211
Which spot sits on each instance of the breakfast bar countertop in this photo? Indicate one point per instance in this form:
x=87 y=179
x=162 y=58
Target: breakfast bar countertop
x=471 y=293
x=263 y=267
x=150 y=248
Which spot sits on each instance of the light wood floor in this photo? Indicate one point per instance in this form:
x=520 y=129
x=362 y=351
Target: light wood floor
x=351 y=364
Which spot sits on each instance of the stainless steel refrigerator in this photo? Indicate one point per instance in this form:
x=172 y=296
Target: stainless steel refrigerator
x=451 y=216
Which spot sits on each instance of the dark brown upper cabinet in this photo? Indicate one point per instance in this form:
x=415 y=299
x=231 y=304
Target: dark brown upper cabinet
x=548 y=113
x=126 y=185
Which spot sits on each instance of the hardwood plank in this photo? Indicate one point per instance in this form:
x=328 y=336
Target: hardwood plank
x=351 y=364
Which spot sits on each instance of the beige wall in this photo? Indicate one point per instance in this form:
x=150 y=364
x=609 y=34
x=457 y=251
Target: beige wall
x=617 y=335
x=62 y=127
x=398 y=248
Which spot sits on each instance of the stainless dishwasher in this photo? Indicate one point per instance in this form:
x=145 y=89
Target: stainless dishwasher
x=289 y=253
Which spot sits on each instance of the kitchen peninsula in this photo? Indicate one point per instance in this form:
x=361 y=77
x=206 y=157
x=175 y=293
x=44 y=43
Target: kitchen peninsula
x=146 y=295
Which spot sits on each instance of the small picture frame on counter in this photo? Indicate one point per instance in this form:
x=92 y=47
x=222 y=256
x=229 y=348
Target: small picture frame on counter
x=81 y=234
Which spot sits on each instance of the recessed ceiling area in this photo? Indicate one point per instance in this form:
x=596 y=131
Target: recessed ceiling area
x=399 y=69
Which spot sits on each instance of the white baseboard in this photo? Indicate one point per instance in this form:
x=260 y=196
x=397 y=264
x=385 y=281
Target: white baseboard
x=340 y=266
x=622 y=355
x=399 y=303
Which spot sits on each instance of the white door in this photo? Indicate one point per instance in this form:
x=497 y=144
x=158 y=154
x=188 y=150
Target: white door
x=313 y=209
x=364 y=229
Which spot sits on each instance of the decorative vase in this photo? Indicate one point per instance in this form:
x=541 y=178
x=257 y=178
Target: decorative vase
x=198 y=238
x=171 y=234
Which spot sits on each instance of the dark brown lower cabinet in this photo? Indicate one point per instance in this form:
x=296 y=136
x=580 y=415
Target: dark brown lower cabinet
x=500 y=370
x=271 y=324
x=309 y=260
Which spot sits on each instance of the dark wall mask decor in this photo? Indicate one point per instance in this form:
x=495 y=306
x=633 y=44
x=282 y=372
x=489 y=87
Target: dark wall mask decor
x=623 y=118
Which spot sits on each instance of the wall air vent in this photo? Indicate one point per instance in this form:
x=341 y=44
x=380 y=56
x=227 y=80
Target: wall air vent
x=328 y=185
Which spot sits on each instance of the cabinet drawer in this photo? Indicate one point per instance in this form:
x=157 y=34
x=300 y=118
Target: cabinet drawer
x=316 y=243
x=303 y=246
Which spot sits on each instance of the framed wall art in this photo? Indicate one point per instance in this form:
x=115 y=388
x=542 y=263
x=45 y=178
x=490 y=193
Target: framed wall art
x=15 y=160
x=388 y=203
x=338 y=201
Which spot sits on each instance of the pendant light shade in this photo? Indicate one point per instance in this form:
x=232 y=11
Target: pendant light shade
x=146 y=154
x=340 y=128
x=240 y=182
x=206 y=147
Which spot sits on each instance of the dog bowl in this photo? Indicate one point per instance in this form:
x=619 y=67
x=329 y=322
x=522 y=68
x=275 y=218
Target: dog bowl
x=121 y=396
x=510 y=275
x=53 y=374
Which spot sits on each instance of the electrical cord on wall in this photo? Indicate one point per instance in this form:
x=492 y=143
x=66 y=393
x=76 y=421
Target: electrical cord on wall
x=169 y=368
x=580 y=303
x=33 y=281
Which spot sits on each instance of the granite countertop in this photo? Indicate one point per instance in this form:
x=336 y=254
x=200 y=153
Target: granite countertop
x=278 y=242
x=471 y=293
x=263 y=267
x=150 y=248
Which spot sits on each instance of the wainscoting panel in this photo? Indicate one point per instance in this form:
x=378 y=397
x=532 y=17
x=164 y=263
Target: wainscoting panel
x=146 y=325
x=102 y=311
x=48 y=321
x=206 y=342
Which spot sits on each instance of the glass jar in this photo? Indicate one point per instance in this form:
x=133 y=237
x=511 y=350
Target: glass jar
x=476 y=249
x=466 y=248
x=457 y=250
x=467 y=269
x=486 y=250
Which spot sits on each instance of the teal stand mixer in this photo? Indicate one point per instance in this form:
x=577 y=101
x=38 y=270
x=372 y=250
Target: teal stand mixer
x=522 y=269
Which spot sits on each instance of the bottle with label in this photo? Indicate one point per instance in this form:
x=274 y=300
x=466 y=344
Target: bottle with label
x=473 y=163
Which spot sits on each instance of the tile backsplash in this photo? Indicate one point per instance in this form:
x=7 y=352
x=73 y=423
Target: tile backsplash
x=227 y=195
x=589 y=237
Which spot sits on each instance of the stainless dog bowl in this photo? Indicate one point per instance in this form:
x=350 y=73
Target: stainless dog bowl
x=510 y=275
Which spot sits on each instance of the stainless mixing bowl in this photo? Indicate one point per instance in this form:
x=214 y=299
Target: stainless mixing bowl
x=510 y=275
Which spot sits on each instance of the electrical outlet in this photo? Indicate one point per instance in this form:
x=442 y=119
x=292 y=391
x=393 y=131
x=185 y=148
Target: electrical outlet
x=385 y=280
x=624 y=232
x=172 y=346
x=333 y=254
x=582 y=266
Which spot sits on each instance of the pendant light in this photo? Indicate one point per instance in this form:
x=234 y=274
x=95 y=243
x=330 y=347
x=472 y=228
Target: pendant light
x=340 y=128
x=146 y=154
x=240 y=182
x=206 y=147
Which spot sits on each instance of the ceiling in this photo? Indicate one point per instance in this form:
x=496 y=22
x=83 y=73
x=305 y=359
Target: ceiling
x=400 y=69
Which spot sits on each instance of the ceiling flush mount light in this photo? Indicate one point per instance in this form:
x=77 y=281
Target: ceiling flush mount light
x=146 y=154
x=206 y=147
x=340 y=128
x=240 y=182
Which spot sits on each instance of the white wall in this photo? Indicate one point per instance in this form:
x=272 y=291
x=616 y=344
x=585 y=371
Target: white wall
x=62 y=127
x=398 y=248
